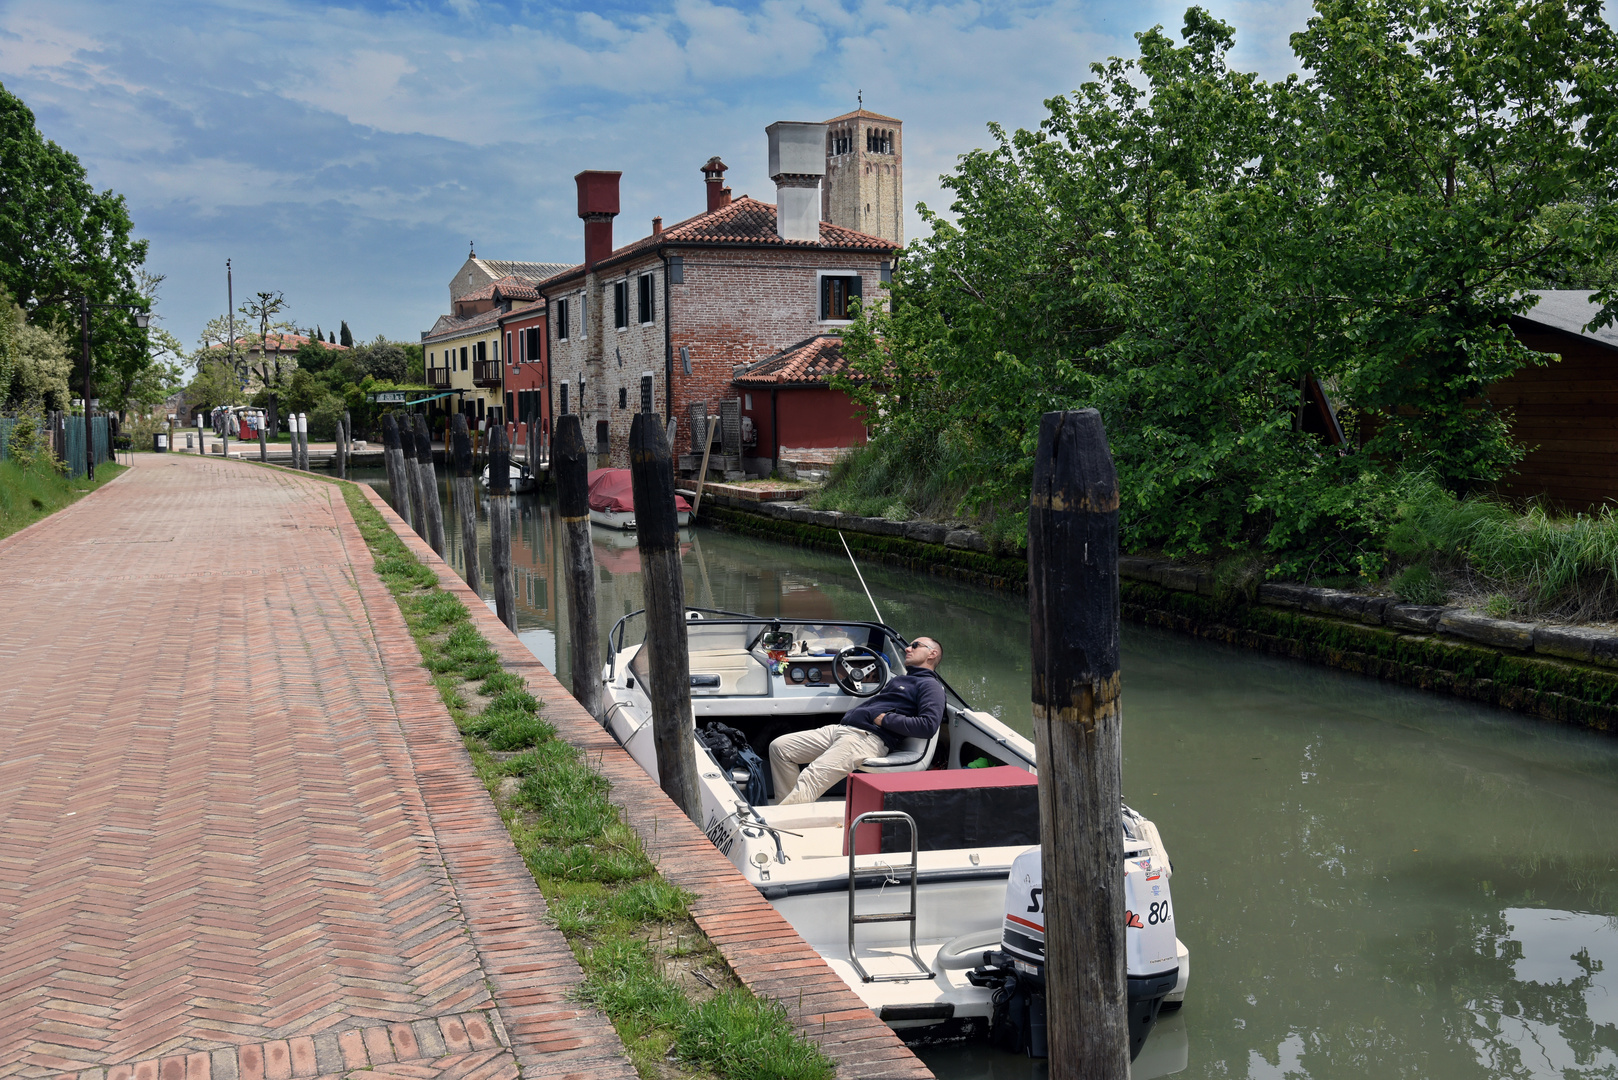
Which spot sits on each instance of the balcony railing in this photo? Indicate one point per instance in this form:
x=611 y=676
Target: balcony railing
x=486 y=373
x=438 y=378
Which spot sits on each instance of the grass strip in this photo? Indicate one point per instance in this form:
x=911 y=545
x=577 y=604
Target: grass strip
x=678 y=1008
x=29 y=494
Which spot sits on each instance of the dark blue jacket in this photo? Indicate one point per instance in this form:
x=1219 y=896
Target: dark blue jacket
x=914 y=703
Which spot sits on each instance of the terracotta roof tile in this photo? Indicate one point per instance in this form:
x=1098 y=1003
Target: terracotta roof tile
x=744 y=221
x=509 y=287
x=808 y=363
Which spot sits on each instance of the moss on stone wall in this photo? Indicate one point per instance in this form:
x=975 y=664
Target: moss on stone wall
x=1578 y=694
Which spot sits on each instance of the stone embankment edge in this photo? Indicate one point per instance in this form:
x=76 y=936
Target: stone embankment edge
x=1567 y=674
x=758 y=944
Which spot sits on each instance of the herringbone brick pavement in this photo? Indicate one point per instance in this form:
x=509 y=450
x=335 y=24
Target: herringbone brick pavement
x=239 y=838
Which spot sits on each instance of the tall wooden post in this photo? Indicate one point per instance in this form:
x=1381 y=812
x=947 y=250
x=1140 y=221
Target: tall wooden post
x=651 y=473
x=466 y=501
x=412 y=468
x=263 y=444
x=303 y=441
x=505 y=588
x=399 y=483
x=348 y=431
x=432 y=514
x=570 y=465
x=342 y=452
x=1073 y=609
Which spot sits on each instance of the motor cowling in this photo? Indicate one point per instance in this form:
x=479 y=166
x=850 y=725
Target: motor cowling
x=1017 y=971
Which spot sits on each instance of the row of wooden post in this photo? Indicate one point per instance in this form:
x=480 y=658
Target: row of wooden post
x=1074 y=634
x=407 y=454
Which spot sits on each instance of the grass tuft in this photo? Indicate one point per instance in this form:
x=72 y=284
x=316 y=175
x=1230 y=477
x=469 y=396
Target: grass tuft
x=623 y=922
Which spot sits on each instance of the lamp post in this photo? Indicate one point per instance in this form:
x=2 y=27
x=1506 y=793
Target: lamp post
x=143 y=319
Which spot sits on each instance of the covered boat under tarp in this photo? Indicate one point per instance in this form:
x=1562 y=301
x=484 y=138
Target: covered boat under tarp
x=612 y=500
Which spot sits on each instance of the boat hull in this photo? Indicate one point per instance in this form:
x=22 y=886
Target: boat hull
x=624 y=520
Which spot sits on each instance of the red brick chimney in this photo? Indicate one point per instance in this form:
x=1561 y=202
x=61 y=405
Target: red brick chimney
x=714 y=174
x=598 y=205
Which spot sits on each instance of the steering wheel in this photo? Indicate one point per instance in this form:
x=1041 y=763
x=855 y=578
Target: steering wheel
x=859 y=666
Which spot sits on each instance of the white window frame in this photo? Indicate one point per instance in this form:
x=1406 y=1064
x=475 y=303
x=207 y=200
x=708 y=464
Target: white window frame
x=820 y=276
x=628 y=322
x=563 y=324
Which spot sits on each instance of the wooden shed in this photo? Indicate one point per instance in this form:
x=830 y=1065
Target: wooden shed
x=1565 y=411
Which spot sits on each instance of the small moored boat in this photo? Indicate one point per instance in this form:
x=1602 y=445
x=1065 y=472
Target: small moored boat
x=522 y=479
x=612 y=500
x=905 y=877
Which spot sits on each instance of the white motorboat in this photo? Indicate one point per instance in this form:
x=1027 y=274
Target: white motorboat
x=522 y=480
x=953 y=815
x=612 y=501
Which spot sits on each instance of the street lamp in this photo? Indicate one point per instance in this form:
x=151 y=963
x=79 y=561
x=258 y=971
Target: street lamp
x=143 y=319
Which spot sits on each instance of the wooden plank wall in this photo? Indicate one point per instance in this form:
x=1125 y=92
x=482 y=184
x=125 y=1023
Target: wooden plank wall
x=1567 y=412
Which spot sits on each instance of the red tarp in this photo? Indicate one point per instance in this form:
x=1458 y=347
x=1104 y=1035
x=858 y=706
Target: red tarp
x=611 y=492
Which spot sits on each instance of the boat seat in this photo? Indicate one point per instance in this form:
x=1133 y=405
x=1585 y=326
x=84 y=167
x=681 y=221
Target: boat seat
x=913 y=755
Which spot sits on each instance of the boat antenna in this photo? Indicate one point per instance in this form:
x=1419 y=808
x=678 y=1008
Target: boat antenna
x=859 y=575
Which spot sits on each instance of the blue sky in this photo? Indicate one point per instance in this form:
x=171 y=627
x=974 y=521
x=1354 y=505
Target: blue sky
x=345 y=155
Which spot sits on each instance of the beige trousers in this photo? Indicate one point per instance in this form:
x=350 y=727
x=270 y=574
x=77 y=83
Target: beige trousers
x=830 y=753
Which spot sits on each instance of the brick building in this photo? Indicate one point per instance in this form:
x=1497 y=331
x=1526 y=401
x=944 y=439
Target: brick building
x=662 y=323
x=527 y=375
x=864 y=188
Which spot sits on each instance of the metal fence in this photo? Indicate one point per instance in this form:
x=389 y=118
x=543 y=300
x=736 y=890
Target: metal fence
x=65 y=435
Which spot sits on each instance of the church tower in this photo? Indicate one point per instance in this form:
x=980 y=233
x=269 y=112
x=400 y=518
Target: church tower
x=864 y=185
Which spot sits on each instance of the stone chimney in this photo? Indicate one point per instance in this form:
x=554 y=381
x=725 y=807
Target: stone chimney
x=797 y=162
x=598 y=205
x=713 y=174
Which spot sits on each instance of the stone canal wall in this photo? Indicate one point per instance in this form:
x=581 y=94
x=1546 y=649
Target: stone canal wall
x=1564 y=673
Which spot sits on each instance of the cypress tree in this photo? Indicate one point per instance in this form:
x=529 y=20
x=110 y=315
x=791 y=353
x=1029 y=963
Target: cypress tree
x=348 y=338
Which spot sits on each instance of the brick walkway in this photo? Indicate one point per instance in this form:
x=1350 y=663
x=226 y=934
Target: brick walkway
x=239 y=838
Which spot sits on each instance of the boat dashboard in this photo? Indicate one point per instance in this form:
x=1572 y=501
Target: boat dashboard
x=737 y=659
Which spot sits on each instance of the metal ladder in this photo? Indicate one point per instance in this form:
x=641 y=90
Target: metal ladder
x=854 y=872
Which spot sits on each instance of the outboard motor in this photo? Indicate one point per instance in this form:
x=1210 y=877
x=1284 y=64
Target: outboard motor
x=1017 y=971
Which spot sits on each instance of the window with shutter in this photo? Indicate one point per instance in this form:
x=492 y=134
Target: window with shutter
x=648 y=306
x=645 y=393
x=835 y=293
x=620 y=304
x=564 y=399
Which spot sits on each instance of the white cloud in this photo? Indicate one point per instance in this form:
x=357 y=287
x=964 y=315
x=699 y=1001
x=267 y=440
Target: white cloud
x=386 y=138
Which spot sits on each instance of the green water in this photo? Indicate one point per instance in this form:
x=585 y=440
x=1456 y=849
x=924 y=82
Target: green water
x=1371 y=881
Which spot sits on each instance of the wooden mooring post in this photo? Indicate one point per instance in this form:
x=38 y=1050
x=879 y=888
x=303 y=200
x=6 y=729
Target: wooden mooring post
x=1073 y=609
x=393 y=460
x=570 y=464
x=342 y=452
x=303 y=441
x=505 y=586
x=466 y=505
x=651 y=474
x=263 y=444
x=432 y=514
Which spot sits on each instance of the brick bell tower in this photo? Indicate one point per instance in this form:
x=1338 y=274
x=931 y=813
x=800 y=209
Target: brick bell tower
x=864 y=185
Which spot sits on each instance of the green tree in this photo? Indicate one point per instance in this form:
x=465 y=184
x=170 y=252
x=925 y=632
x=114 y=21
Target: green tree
x=347 y=339
x=1186 y=247
x=60 y=240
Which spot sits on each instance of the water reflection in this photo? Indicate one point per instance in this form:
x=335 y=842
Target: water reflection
x=1372 y=881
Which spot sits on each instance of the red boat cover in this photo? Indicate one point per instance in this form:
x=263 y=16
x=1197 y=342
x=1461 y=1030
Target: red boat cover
x=611 y=492
x=953 y=808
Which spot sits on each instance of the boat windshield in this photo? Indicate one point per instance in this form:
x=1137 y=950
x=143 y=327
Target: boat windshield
x=768 y=638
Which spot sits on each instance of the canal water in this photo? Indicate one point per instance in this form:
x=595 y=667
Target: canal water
x=1372 y=881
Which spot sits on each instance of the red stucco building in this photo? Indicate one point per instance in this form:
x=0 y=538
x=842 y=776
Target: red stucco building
x=798 y=420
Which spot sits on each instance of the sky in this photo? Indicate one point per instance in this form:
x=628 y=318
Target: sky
x=348 y=155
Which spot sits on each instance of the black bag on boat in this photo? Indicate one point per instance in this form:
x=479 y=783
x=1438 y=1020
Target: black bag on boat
x=730 y=748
